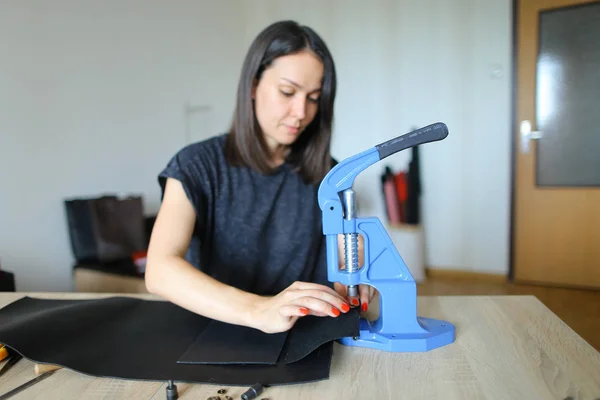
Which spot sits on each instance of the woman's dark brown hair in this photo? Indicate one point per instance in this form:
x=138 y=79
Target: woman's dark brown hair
x=245 y=144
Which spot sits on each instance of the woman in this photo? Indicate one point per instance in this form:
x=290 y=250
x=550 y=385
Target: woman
x=238 y=235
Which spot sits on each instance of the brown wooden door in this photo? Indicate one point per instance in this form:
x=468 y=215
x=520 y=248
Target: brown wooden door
x=556 y=226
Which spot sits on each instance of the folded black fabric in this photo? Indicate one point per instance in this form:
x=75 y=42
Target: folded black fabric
x=222 y=343
x=129 y=338
x=311 y=332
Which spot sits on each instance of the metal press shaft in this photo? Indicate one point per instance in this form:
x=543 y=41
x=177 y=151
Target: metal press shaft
x=350 y=240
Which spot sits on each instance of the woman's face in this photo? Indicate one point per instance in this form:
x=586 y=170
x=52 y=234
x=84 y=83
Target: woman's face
x=287 y=96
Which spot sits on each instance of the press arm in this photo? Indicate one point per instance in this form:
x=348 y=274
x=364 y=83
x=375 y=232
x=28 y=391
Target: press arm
x=341 y=177
x=430 y=133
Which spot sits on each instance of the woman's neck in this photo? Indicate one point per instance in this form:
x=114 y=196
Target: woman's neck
x=278 y=153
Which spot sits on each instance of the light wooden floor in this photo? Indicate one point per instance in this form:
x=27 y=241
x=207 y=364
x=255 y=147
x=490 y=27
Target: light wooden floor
x=580 y=309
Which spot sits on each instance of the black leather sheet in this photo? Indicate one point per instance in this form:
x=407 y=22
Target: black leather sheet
x=122 y=337
x=215 y=344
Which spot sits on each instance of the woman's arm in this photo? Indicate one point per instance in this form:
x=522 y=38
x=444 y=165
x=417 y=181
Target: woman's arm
x=169 y=275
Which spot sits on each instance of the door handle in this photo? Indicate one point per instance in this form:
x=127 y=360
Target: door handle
x=526 y=135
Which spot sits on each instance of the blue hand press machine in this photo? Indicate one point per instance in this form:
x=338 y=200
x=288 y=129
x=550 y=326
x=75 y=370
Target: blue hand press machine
x=398 y=328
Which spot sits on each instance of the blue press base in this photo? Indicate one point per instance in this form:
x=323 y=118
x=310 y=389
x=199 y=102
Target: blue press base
x=437 y=333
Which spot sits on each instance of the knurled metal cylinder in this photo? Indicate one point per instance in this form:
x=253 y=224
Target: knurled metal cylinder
x=350 y=239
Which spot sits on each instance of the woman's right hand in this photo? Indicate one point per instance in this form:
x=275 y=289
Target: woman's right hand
x=279 y=313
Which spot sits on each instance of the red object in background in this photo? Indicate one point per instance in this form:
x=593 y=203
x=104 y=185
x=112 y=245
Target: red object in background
x=402 y=193
x=139 y=259
x=139 y=254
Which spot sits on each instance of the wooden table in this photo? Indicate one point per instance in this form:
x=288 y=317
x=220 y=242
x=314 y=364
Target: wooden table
x=507 y=347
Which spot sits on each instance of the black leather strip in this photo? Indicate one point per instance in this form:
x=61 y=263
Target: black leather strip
x=311 y=332
x=121 y=337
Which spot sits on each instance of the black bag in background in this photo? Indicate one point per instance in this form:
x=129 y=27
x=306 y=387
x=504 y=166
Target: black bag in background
x=105 y=228
x=7 y=281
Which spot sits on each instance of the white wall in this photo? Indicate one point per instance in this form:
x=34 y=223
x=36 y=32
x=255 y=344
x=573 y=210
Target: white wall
x=82 y=82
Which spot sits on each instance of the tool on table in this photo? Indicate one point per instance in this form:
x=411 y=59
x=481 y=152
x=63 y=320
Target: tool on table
x=41 y=370
x=398 y=328
x=172 y=393
x=13 y=358
x=3 y=352
x=253 y=392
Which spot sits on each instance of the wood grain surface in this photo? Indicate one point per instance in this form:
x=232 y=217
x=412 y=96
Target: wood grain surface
x=507 y=347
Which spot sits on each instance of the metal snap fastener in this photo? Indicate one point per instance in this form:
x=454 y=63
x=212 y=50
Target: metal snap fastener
x=221 y=391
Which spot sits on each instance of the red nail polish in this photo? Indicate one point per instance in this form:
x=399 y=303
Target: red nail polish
x=345 y=307
x=304 y=310
x=354 y=302
x=365 y=306
x=335 y=311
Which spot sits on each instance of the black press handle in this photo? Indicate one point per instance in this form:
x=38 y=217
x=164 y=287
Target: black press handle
x=429 y=133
